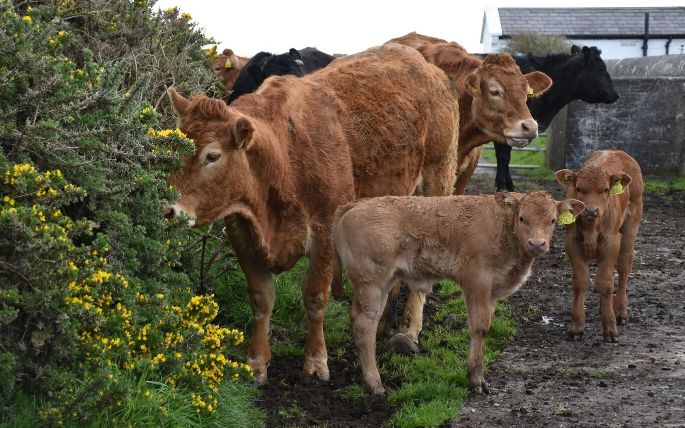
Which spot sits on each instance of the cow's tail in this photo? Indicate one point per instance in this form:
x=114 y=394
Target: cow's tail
x=337 y=282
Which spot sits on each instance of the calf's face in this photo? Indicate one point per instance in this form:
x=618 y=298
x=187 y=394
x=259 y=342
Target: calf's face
x=592 y=185
x=227 y=67
x=500 y=92
x=214 y=178
x=535 y=217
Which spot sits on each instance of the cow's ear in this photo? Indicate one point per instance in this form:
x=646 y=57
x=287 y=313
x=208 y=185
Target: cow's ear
x=179 y=102
x=574 y=206
x=473 y=83
x=295 y=55
x=622 y=178
x=227 y=52
x=255 y=73
x=507 y=200
x=565 y=177
x=575 y=50
x=243 y=133
x=538 y=83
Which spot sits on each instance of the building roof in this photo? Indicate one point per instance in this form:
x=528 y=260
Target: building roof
x=593 y=22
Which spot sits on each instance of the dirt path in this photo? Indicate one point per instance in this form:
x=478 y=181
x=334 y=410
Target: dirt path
x=545 y=379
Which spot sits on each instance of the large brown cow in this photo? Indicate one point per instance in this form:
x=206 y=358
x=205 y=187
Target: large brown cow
x=227 y=66
x=492 y=106
x=275 y=165
x=486 y=243
x=610 y=184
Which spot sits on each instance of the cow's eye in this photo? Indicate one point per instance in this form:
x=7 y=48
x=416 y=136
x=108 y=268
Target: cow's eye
x=495 y=92
x=578 y=190
x=521 y=219
x=554 y=220
x=606 y=190
x=212 y=157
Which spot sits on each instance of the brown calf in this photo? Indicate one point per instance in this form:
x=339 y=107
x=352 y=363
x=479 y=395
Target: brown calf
x=227 y=67
x=486 y=243
x=492 y=98
x=605 y=232
x=492 y=106
x=277 y=163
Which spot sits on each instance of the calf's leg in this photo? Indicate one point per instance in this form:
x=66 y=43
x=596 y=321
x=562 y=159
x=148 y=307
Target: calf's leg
x=365 y=311
x=624 y=266
x=315 y=294
x=604 y=284
x=479 y=308
x=580 y=283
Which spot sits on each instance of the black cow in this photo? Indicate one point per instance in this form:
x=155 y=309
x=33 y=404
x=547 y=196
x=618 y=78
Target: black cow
x=582 y=75
x=264 y=64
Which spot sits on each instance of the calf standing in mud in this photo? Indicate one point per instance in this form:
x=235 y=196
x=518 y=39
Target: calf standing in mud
x=610 y=184
x=486 y=243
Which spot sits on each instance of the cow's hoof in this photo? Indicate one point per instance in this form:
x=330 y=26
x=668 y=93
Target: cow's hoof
x=376 y=389
x=621 y=318
x=401 y=343
x=316 y=367
x=610 y=337
x=480 y=388
x=259 y=380
x=575 y=335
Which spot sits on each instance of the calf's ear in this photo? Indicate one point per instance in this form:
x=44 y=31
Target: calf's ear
x=507 y=200
x=243 y=133
x=573 y=205
x=565 y=177
x=178 y=102
x=538 y=83
x=623 y=178
x=575 y=49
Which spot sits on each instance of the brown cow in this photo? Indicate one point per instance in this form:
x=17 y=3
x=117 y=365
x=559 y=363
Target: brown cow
x=277 y=163
x=492 y=106
x=486 y=243
x=605 y=232
x=227 y=67
x=492 y=97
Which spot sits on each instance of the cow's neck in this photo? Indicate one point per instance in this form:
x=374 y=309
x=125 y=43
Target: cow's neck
x=560 y=69
x=470 y=136
x=511 y=274
x=271 y=218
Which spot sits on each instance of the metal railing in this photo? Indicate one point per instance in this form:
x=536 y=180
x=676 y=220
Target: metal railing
x=521 y=149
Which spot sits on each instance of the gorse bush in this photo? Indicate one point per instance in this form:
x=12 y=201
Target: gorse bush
x=99 y=321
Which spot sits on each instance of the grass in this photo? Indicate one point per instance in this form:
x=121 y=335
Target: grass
x=664 y=185
x=434 y=383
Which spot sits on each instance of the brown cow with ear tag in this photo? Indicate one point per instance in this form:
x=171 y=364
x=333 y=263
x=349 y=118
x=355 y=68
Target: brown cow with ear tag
x=610 y=184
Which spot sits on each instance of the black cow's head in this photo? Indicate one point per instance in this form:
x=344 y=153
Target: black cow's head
x=594 y=82
x=289 y=63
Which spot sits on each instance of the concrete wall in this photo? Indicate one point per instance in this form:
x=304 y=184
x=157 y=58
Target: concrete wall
x=648 y=121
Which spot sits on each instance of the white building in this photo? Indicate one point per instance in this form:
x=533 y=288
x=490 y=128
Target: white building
x=619 y=32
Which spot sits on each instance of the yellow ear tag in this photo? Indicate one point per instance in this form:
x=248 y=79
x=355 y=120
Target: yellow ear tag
x=228 y=63
x=566 y=218
x=617 y=189
x=530 y=91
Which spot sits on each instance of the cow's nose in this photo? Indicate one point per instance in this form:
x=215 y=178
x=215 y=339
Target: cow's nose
x=591 y=212
x=537 y=246
x=170 y=213
x=529 y=128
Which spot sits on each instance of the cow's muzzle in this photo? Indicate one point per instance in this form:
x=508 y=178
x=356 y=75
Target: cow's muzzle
x=175 y=211
x=537 y=246
x=591 y=213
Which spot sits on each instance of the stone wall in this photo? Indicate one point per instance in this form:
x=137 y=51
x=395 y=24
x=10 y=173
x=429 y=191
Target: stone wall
x=648 y=120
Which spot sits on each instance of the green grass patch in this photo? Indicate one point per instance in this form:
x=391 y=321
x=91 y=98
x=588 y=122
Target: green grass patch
x=435 y=383
x=664 y=185
x=600 y=373
x=525 y=158
x=354 y=393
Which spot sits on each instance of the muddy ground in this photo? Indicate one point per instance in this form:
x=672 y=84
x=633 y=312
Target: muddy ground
x=543 y=379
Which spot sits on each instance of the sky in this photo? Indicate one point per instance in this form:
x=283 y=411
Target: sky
x=348 y=26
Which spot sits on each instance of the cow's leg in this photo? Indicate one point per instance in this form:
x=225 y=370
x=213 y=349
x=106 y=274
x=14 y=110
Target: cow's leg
x=412 y=318
x=315 y=295
x=365 y=311
x=503 y=179
x=580 y=283
x=604 y=284
x=479 y=308
x=262 y=293
x=465 y=171
x=624 y=266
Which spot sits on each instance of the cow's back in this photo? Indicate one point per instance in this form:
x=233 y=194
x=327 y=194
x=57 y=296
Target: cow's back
x=398 y=111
